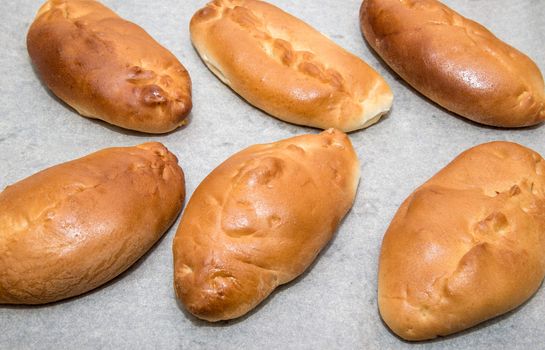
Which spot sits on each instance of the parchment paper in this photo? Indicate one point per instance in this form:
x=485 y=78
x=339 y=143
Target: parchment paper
x=333 y=305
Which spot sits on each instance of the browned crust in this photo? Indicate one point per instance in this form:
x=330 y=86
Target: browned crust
x=108 y=68
x=75 y=226
x=455 y=61
x=466 y=246
x=283 y=66
x=259 y=220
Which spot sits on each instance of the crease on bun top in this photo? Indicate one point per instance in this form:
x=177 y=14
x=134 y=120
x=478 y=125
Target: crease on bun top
x=283 y=66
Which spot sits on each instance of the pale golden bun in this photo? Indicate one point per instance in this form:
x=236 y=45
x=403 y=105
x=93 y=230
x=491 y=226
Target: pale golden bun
x=75 y=226
x=466 y=246
x=283 y=66
x=259 y=220
x=455 y=61
x=108 y=68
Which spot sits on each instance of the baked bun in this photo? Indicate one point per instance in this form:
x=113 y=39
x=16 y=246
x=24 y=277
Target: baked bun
x=466 y=246
x=75 y=226
x=283 y=66
x=259 y=220
x=108 y=68
x=455 y=62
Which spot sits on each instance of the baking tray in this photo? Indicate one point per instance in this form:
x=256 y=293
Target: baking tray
x=333 y=305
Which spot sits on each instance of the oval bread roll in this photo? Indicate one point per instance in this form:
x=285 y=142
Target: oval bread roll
x=75 y=226
x=466 y=246
x=286 y=68
x=108 y=68
x=259 y=220
x=455 y=62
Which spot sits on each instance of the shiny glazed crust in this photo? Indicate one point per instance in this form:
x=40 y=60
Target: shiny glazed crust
x=75 y=226
x=466 y=246
x=259 y=220
x=285 y=67
x=455 y=61
x=108 y=68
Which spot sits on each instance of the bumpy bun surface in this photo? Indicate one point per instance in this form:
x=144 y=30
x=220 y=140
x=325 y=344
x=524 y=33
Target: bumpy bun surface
x=455 y=61
x=283 y=66
x=466 y=246
x=108 y=68
x=259 y=220
x=75 y=226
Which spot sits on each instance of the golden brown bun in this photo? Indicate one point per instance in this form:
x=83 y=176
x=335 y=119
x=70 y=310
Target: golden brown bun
x=455 y=62
x=466 y=246
x=286 y=68
x=70 y=228
x=259 y=220
x=108 y=68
